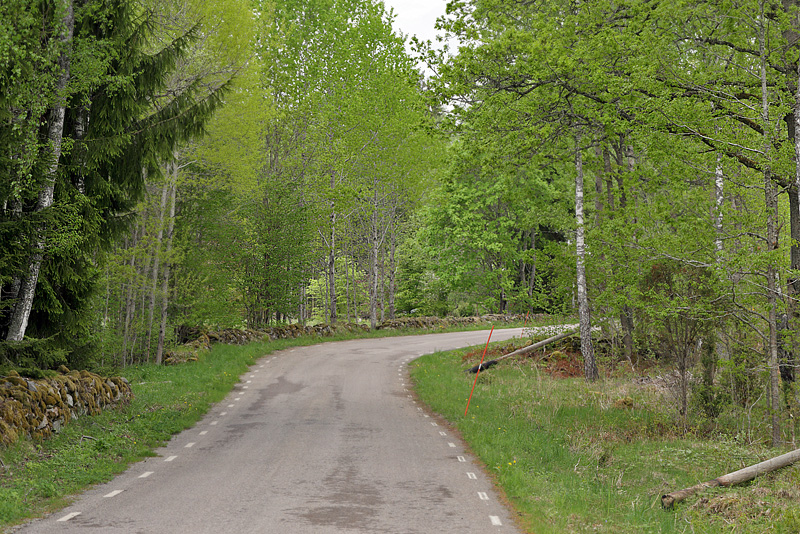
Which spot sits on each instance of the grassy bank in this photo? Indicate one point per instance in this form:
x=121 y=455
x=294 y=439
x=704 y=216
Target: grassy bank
x=38 y=477
x=575 y=457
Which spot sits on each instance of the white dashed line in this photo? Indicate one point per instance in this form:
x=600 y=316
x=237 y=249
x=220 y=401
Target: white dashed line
x=213 y=423
x=169 y=458
x=204 y=432
x=495 y=521
x=426 y=416
x=112 y=494
x=69 y=516
x=245 y=387
x=249 y=381
x=451 y=445
x=231 y=405
x=482 y=496
x=461 y=459
x=442 y=433
x=419 y=409
x=434 y=424
x=237 y=399
x=189 y=445
x=146 y=474
x=223 y=413
x=472 y=476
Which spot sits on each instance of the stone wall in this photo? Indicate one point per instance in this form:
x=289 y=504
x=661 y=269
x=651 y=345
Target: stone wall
x=37 y=408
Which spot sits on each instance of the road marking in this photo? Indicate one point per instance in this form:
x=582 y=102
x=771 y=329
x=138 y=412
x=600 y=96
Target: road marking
x=249 y=381
x=434 y=423
x=112 y=494
x=189 y=445
x=419 y=409
x=472 y=476
x=230 y=406
x=69 y=516
x=452 y=445
x=255 y=371
x=495 y=521
x=237 y=399
x=482 y=496
x=146 y=474
x=204 y=432
x=426 y=416
x=223 y=413
x=245 y=387
x=442 y=433
x=461 y=459
x=169 y=458
x=213 y=423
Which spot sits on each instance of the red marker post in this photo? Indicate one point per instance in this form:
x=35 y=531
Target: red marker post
x=479 y=370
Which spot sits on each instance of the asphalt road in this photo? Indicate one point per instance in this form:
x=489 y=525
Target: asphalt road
x=321 y=439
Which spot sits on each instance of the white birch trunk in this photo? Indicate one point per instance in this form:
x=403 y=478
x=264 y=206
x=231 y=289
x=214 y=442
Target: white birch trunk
x=719 y=199
x=162 y=331
x=156 y=264
x=587 y=348
x=55 y=133
x=771 y=204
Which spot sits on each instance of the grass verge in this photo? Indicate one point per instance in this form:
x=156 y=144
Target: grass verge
x=578 y=457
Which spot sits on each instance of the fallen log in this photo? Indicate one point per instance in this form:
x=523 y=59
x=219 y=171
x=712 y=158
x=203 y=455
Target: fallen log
x=524 y=350
x=731 y=479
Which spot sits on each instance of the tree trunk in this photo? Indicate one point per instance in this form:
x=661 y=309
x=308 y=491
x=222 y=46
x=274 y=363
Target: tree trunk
x=392 y=269
x=731 y=479
x=162 y=331
x=373 y=265
x=719 y=199
x=771 y=204
x=55 y=133
x=332 y=272
x=156 y=264
x=587 y=348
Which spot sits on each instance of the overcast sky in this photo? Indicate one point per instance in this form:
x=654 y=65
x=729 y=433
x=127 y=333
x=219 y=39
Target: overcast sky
x=417 y=17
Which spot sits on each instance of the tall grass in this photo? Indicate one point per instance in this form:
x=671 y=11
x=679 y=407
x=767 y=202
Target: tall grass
x=578 y=457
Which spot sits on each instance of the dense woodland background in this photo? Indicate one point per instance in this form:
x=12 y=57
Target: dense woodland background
x=238 y=163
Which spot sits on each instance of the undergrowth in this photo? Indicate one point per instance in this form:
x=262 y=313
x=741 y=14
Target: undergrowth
x=579 y=457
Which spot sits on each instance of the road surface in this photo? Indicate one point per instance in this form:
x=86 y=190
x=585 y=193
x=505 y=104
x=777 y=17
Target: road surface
x=321 y=439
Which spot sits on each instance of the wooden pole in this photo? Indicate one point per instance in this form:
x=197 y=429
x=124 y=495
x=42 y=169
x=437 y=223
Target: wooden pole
x=731 y=479
x=523 y=350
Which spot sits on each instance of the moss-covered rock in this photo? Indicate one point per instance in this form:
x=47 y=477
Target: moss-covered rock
x=38 y=408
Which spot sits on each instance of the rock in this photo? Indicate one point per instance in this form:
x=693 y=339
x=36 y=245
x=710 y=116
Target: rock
x=43 y=424
x=37 y=408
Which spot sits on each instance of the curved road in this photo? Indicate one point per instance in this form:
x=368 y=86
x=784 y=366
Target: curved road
x=321 y=439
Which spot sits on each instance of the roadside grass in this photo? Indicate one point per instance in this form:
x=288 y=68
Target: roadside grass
x=578 y=457
x=41 y=477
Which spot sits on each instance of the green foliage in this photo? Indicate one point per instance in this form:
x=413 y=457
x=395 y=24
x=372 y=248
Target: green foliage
x=116 y=129
x=34 y=353
x=488 y=238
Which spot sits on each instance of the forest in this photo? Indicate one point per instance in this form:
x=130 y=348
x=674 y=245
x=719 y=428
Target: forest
x=183 y=164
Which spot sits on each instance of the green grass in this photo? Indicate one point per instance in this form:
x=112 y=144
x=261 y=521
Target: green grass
x=571 y=460
x=39 y=477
